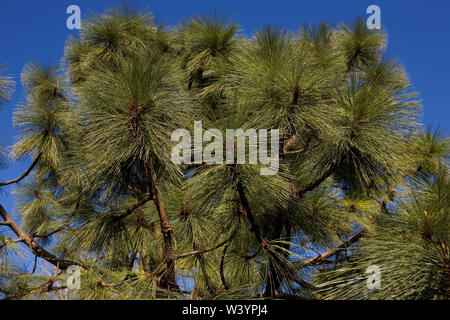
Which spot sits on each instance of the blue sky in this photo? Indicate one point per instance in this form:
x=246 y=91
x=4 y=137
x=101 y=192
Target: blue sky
x=419 y=36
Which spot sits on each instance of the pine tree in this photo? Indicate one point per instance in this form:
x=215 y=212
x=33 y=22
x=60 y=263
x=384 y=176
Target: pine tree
x=359 y=184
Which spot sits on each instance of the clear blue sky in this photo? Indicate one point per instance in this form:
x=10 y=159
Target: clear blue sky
x=419 y=35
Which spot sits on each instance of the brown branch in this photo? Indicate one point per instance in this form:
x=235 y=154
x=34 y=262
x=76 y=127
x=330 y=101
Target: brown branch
x=130 y=210
x=287 y=296
x=222 y=267
x=296 y=94
x=198 y=252
x=222 y=259
x=302 y=282
x=37 y=249
x=295 y=151
x=311 y=186
x=26 y=173
x=166 y=229
x=49 y=289
x=35 y=264
x=279 y=225
x=242 y=199
x=289 y=143
x=252 y=256
x=148 y=104
x=48 y=234
x=6 y=242
x=155 y=272
x=321 y=257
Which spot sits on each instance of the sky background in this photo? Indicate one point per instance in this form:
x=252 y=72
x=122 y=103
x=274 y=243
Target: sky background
x=418 y=35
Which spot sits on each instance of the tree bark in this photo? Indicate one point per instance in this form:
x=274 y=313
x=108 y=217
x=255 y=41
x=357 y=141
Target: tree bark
x=311 y=186
x=28 y=240
x=169 y=277
x=26 y=173
x=254 y=224
x=332 y=252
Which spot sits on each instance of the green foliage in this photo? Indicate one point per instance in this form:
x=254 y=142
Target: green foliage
x=206 y=45
x=104 y=193
x=411 y=247
x=6 y=85
x=360 y=45
x=39 y=118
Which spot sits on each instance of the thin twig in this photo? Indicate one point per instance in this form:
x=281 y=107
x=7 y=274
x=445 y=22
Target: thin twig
x=26 y=173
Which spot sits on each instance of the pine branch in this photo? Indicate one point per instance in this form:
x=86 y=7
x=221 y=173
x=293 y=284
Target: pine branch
x=130 y=210
x=321 y=257
x=26 y=173
x=222 y=267
x=289 y=143
x=302 y=282
x=287 y=296
x=311 y=186
x=295 y=151
x=34 y=265
x=166 y=229
x=198 y=252
x=157 y=269
x=49 y=233
x=255 y=228
x=7 y=242
x=37 y=249
x=279 y=225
